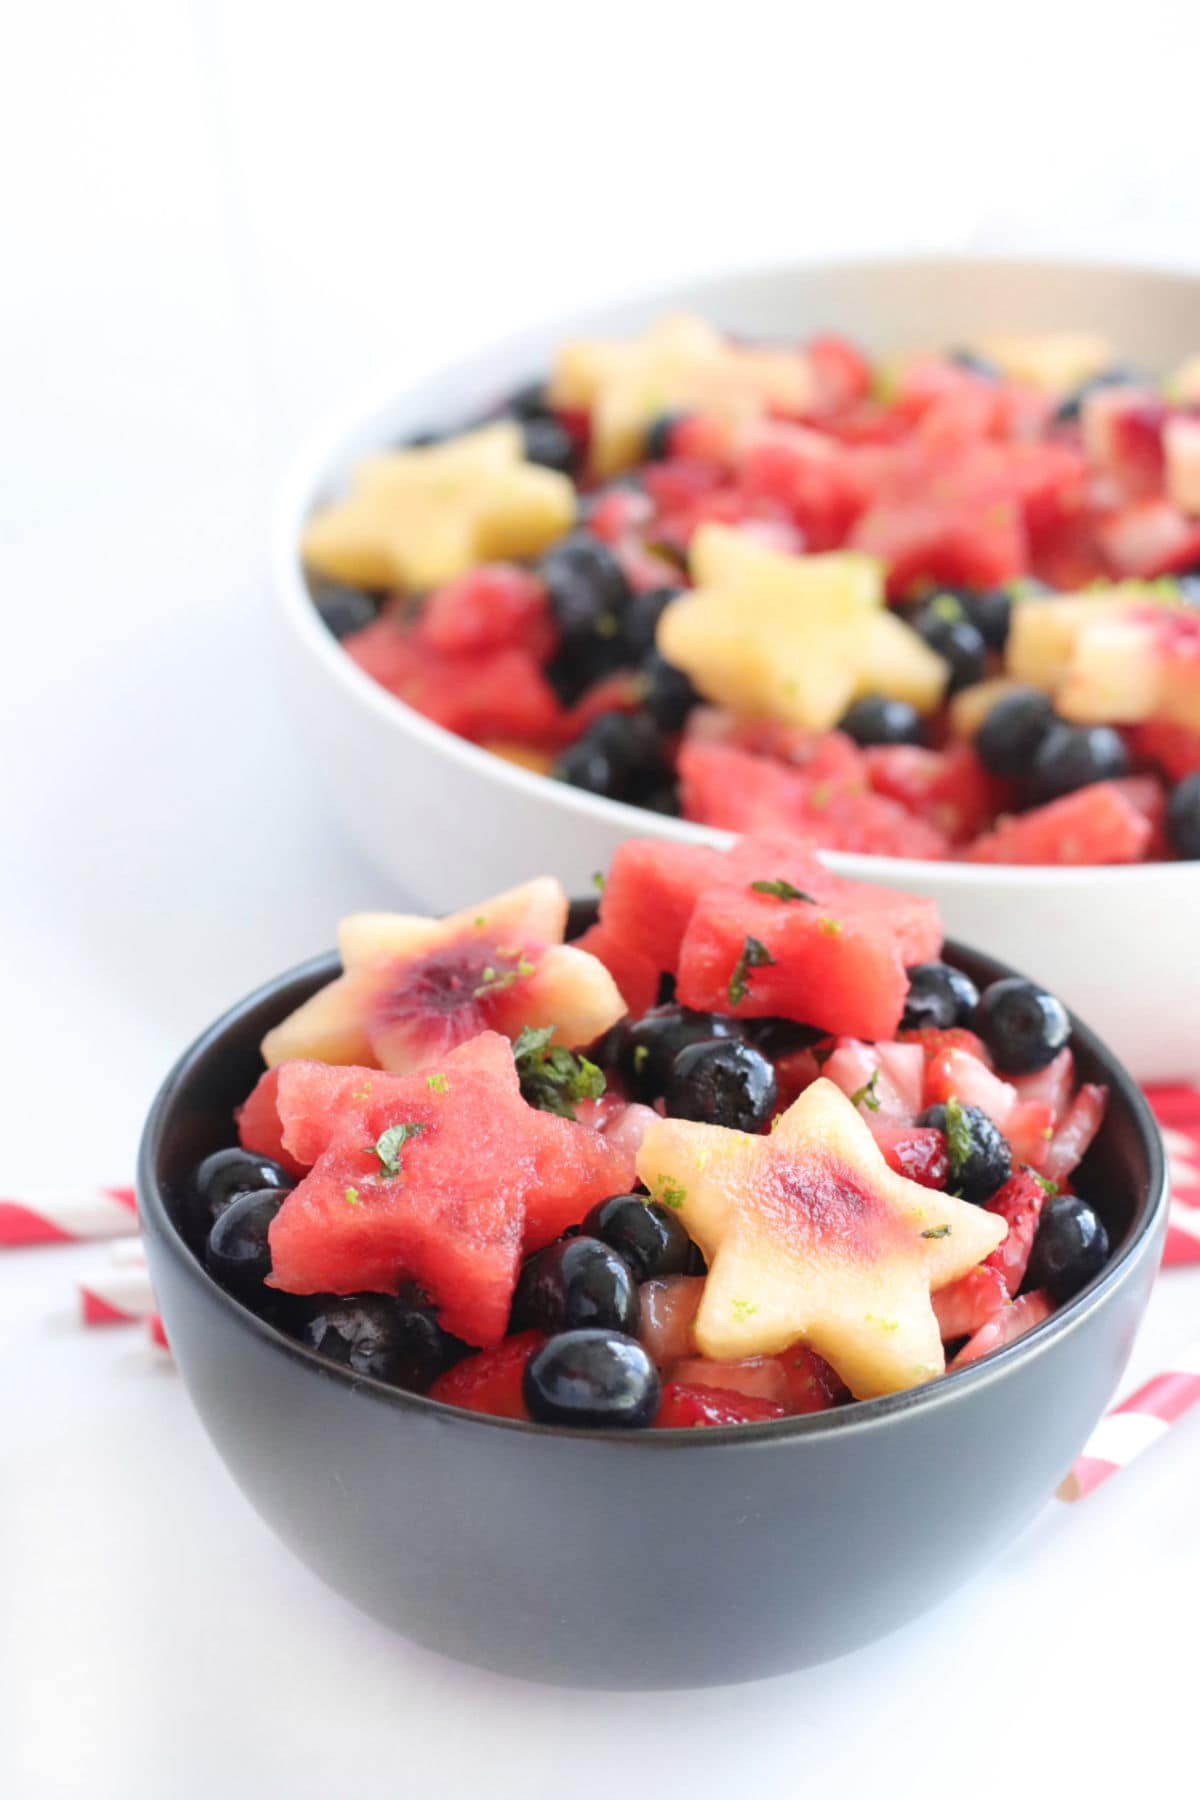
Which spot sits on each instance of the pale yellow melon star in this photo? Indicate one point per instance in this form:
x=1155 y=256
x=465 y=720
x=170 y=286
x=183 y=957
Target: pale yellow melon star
x=415 y=518
x=811 y=1238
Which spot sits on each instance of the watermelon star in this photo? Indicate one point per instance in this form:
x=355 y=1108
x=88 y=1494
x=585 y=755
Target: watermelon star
x=792 y=637
x=811 y=1238
x=444 y=1183
x=413 y=988
x=416 y=518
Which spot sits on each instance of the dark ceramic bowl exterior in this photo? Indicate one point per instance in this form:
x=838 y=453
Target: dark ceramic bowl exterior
x=645 y=1559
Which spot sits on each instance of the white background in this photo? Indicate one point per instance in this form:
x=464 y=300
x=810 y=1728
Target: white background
x=216 y=219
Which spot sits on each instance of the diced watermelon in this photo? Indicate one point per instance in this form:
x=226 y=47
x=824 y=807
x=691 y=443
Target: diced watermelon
x=736 y=791
x=649 y=895
x=949 y=788
x=691 y=1406
x=1096 y=824
x=1149 y=796
x=841 y=373
x=491 y=1382
x=494 y=607
x=621 y=510
x=1011 y=1323
x=917 y=1152
x=635 y=975
x=808 y=475
x=1074 y=1136
x=258 y=1124
x=1019 y=1202
x=1173 y=747
x=969 y=1302
x=490 y=694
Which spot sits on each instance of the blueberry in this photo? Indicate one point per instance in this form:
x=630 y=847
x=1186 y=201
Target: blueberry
x=618 y=753
x=991 y=614
x=975 y=364
x=780 y=1037
x=639 y=621
x=653 y=1042
x=980 y=1159
x=1070 y=1247
x=582 y=661
x=723 y=1081
x=549 y=444
x=528 y=402
x=1011 y=734
x=658 y=436
x=667 y=694
x=343 y=609
x=586 y=588
x=1068 y=408
x=221 y=1177
x=1070 y=757
x=1022 y=1025
x=877 y=720
x=577 y=1282
x=238 y=1253
x=647 y=1237
x=1183 y=818
x=596 y=1378
x=663 y=798
x=945 y=627
x=940 y=996
x=394 y=1338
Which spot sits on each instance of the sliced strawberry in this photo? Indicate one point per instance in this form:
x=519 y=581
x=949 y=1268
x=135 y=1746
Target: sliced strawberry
x=685 y=1405
x=1020 y=1202
x=762 y=1377
x=1052 y=1086
x=1013 y=1322
x=812 y=1385
x=1070 y=1142
x=1029 y=1129
x=934 y=1039
x=490 y=1382
x=958 y=1075
x=967 y=1304
x=916 y=1151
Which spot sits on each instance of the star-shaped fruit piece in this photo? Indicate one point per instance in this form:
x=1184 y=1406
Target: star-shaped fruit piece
x=413 y=988
x=793 y=637
x=811 y=1238
x=444 y=1177
x=415 y=518
x=679 y=364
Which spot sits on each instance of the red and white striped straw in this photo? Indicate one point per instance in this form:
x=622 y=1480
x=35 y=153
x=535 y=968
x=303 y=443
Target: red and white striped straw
x=119 y=1291
x=66 y=1215
x=1135 y=1424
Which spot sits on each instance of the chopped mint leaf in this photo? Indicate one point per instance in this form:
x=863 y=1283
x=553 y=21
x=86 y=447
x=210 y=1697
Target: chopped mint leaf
x=669 y=1192
x=781 y=890
x=958 y=1135
x=1047 y=1186
x=552 y=1078
x=598 y=880
x=831 y=927
x=743 y=1310
x=495 y=981
x=480 y=921
x=438 y=1083
x=821 y=796
x=937 y=1231
x=351 y=1196
x=391 y=1143
x=607 y=625
x=641 y=1056
x=754 y=956
x=947 y=606
x=867 y=1095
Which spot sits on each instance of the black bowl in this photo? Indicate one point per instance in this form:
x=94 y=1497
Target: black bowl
x=642 y=1559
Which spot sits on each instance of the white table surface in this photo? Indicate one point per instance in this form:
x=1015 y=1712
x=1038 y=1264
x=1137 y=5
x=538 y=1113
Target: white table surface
x=222 y=217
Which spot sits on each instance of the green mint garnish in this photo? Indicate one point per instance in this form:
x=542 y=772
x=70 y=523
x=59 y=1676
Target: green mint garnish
x=438 y=1083
x=754 y=956
x=607 y=625
x=390 y=1144
x=781 y=890
x=496 y=980
x=1047 y=1186
x=552 y=1078
x=351 y=1196
x=958 y=1135
x=947 y=606
x=867 y=1095
x=641 y=1056
x=937 y=1231
x=598 y=880
x=743 y=1310
x=831 y=927
x=480 y=920
x=669 y=1192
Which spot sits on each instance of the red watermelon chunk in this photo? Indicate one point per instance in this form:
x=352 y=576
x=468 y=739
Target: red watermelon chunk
x=480 y=1177
x=491 y=1382
x=493 y=693
x=1097 y=824
x=649 y=893
x=495 y=607
x=258 y=1124
x=1173 y=747
x=950 y=788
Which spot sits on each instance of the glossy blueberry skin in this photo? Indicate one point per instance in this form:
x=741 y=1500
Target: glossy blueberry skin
x=990 y=612
x=940 y=996
x=1068 y=409
x=226 y=1173
x=391 y=1337
x=722 y=1081
x=639 y=621
x=1011 y=734
x=237 y=1251
x=1183 y=818
x=954 y=638
x=528 y=402
x=343 y=609
x=616 y=754
x=1070 y=757
x=549 y=444
x=647 y=1237
x=601 y=1379
x=1022 y=1025
x=657 y=447
x=1070 y=1247
x=585 y=586
x=975 y=364
x=988 y=1162
x=667 y=694
x=579 y=1282
x=877 y=720
x=652 y=1043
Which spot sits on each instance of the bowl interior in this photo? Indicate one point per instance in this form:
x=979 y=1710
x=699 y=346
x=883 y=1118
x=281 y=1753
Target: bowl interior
x=1122 y=1174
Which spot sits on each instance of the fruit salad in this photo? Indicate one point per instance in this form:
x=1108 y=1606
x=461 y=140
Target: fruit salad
x=746 y=1148
x=941 y=607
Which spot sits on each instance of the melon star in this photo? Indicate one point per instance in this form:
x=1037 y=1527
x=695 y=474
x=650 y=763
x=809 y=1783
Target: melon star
x=811 y=1238
x=413 y=988
x=418 y=518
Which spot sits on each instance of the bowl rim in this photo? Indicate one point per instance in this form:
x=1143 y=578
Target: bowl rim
x=859 y=1416
x=323 y=451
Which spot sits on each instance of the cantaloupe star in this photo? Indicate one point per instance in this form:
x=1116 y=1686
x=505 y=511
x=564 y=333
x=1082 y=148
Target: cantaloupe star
x=412 y=988
x=793 y=637
x=415 y=518
x=811 y=1238
x=679 y=364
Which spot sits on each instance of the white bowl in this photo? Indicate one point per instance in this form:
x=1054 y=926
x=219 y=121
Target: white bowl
x=449 y=820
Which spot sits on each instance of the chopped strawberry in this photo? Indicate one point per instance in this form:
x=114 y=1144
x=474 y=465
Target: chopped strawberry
x=812 y=1385
x=691 y=1405
x=1013 y=1322
x=1174 y=747
x=933 y=1040
x=490 y=1382
x=1052 y=1086
x=1020 y=1203
x=957 y=1074
x=621 y=510
x=915 y=1151
x=496 y=607
x=761 y=1377
x=968 y=1303
x=1070 y=1142
x=1029 y=1129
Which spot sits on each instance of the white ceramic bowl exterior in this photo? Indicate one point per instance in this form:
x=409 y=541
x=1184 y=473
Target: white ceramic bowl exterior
x=450 y=821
